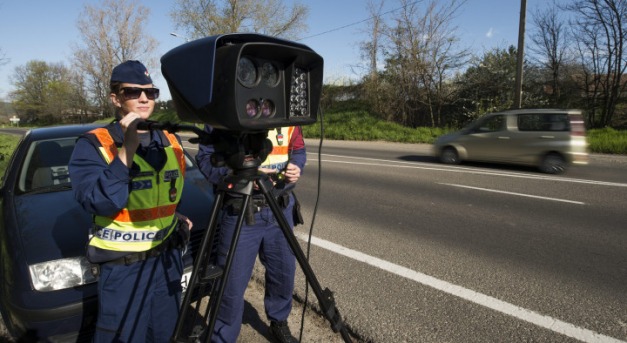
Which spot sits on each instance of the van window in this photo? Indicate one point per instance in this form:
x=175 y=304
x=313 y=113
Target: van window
x=493 y=124
x=543 y=122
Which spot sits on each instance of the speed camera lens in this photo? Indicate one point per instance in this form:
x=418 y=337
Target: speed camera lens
x=252 y=108
x=267 y=108
x=246 y=72
x=269 y=74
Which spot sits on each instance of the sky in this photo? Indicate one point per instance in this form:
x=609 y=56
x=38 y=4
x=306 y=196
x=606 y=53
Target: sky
x=46 y=30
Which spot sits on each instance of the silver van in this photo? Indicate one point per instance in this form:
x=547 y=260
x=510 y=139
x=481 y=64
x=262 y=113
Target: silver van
x=550 y=139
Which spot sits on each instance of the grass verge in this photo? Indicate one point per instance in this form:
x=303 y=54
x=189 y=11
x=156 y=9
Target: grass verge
x=361 y=126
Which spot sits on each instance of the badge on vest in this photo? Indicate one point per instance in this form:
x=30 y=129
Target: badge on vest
x=173 y=191
x=170 y=175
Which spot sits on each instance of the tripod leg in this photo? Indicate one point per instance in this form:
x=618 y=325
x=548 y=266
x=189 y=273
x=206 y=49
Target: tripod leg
x=205 y=272
x=216 y=297
x=201 y=262
x=325 y=298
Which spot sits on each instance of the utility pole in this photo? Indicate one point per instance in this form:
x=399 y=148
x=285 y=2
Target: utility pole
x=521 y=55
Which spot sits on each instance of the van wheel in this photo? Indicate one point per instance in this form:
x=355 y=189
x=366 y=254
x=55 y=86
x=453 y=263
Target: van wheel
x=449 y=155
x=553 y=164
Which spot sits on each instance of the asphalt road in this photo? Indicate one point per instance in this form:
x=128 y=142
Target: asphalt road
x=416 y=251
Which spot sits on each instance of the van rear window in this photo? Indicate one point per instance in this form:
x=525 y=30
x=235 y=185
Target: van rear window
x=543 y=122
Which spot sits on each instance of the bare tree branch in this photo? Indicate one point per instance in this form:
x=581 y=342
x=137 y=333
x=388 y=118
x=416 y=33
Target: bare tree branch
x=599 y=31
x=201 y=18
x=111 y=34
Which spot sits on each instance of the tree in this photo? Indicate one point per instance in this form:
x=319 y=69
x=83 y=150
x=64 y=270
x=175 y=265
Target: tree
x=200 y=18
x=112 y=34
x=487 y=85
x=599 y=31
x=550 y=45
x=370 y=51
x=421 y=51
x=42 y=91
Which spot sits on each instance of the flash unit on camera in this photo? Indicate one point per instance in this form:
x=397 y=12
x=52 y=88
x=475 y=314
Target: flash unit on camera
x=244 y=82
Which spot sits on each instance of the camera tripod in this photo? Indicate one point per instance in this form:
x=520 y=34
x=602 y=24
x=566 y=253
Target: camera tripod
x=243 y=154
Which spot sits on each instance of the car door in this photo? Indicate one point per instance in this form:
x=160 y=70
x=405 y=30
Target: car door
x=488 y=140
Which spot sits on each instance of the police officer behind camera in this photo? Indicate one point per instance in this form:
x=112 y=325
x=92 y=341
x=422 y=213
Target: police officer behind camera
x=262 y=236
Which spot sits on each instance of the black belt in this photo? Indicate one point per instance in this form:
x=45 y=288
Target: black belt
x=234 y=205
x=131 y=258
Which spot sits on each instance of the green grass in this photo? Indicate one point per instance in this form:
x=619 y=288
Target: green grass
x=607 y=141
x=7 y=146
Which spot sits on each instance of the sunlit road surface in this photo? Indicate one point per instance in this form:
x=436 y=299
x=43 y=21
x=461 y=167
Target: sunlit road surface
x=417 y=251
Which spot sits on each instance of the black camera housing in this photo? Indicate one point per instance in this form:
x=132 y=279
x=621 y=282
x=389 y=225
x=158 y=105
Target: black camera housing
x=219 y=80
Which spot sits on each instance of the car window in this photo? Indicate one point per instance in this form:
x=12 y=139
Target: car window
x=46 y=164
x=543 y=122
x=493 y=124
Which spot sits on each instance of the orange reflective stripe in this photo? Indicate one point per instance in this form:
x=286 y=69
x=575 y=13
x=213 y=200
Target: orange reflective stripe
x=126 y=215
x=280 y=150
x=107 y=142
x=178 y=150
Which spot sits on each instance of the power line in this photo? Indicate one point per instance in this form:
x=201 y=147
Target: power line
x=356 y=23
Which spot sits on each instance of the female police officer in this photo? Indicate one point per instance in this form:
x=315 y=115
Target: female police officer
x=132 y=181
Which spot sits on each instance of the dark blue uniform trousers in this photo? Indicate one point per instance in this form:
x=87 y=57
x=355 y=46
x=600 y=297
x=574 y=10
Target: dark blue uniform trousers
x=265 y=238
x=139 y=302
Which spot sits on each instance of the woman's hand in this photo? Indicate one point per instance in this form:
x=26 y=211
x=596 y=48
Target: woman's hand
x=292 y=173
x=131 y=139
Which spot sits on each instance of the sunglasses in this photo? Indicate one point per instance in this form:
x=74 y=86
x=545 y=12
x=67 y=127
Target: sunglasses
x=131 y=93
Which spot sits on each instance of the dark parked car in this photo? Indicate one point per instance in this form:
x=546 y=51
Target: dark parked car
x=47 y=289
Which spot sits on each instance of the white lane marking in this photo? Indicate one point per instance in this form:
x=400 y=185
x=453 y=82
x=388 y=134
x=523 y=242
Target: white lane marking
x=455 y=169
x=513 y=193
x=518 y=312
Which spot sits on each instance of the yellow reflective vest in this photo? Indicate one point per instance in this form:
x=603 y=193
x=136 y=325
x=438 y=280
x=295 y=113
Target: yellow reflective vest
x=149 y=217
x=280 y=154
